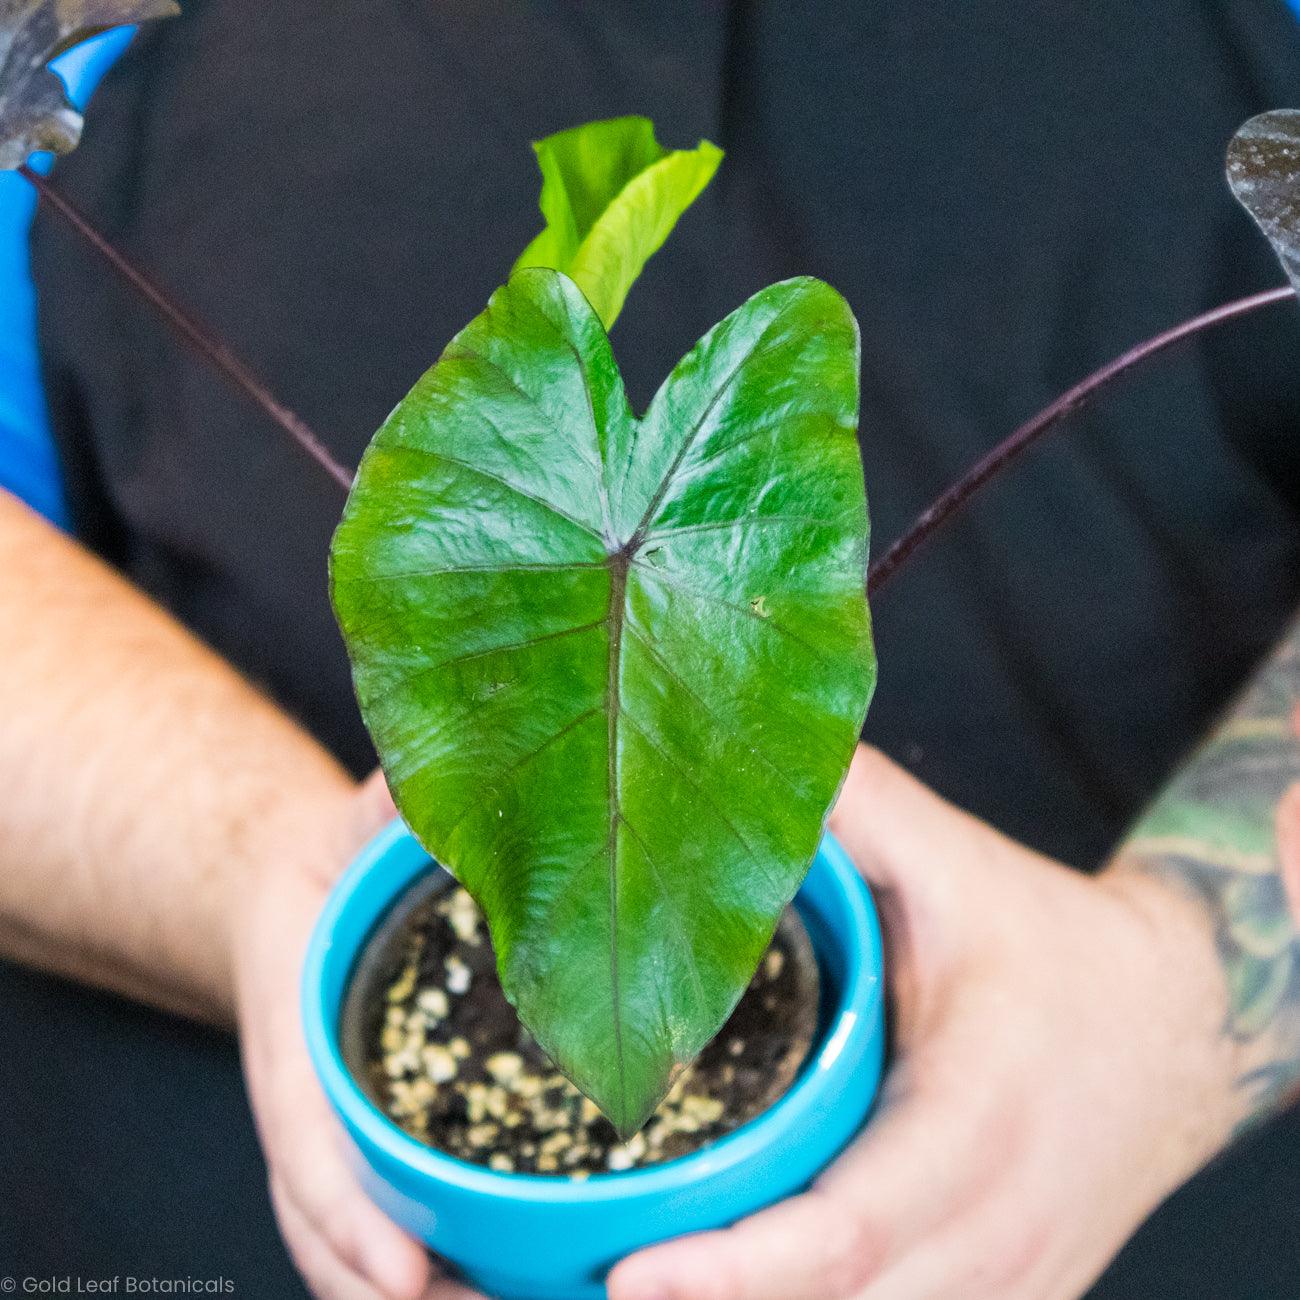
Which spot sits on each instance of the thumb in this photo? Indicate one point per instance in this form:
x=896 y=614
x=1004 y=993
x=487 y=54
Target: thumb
x=898 y=831
x=372 y=808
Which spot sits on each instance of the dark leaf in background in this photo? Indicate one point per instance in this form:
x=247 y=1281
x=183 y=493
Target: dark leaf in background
x=34 y=111
x=1264 y=172
x=615 y=668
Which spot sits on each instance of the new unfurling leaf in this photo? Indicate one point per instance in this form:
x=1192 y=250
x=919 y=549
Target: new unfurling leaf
x=34 y=111
x=615 y=667
x=611 y=196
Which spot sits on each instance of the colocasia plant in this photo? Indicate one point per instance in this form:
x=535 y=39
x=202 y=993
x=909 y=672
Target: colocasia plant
x=615 y=664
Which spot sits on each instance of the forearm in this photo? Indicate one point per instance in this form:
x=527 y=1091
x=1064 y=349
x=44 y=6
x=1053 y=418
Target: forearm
x=143 y=781
x=1227 y=831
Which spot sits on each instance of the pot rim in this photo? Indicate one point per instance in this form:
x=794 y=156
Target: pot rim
x=860 y=992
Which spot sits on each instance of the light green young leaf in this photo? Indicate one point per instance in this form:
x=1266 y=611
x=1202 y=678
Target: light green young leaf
x=615 y=668
x=611 y=195
x=34 y=111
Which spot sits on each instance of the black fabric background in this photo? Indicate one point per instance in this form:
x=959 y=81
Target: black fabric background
x=1007 y=195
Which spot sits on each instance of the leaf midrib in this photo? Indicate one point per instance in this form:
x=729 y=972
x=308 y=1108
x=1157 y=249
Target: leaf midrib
x=619 y=564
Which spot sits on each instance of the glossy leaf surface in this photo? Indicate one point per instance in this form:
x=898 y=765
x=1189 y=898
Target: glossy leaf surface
x=611 y=195
x=34 y=111
x=1264 y=172
x=614 y=667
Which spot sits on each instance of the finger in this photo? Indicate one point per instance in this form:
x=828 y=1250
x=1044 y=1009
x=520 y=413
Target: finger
x=903 y=839
x=329 y=1277
x=360 y=818
x=806 y=1248
x=918 y=1165
x=981 y=1259
x=303 y=1144
x=444 y=1288
x=374 y=807
x=896 y=829
x=1007 y=1246
x=298 y=1129
x=326 y=1275
x=308 y=1159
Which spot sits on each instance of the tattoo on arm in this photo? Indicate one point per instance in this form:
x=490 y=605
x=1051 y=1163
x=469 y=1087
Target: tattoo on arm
x=1227 y=828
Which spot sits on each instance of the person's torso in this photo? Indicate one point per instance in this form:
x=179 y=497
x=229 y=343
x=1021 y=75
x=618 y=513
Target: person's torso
x=1007 y=196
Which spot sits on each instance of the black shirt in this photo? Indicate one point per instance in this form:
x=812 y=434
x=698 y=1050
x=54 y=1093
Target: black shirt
x=1007 y=196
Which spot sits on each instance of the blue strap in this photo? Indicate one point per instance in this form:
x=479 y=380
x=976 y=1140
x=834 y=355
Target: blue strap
x=28 y=467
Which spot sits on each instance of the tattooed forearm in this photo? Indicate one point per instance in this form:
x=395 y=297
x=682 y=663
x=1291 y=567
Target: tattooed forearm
x=1228 y=829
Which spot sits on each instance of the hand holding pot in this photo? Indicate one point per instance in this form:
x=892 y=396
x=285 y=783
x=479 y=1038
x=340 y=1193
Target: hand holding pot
x=1060 y=1068
x=344 y=1246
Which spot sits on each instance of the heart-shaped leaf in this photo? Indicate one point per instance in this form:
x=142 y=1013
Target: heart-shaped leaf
x=34 y=111
x=615 y=668
x=1264 y=173
x=611 y=195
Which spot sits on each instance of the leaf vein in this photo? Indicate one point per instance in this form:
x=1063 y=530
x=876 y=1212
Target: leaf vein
x=505 y=567
x=595 y=465
x=674 y=582
x=682 y=771
x=688 y=441
x=504 y=482
x=526 y=644
x=707 y=709
x=809 y=520
x=615 y=617
x=496 y=782
x=680 y=931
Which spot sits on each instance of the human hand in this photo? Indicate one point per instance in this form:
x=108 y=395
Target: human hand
x=343 y=1245
x=1059 y=1068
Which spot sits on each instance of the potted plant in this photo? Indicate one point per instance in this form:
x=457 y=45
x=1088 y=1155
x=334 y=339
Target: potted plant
x=614 y=668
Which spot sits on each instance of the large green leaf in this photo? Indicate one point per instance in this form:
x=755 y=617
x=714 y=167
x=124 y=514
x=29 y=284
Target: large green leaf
x=34 y=111
x=611 y=195
x=1264 y=173
x=615 y=668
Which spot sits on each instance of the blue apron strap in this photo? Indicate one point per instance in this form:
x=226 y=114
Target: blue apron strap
x=28 y=467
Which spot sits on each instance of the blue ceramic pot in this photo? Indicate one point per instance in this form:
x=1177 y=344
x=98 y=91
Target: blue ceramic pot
x=531 y=1237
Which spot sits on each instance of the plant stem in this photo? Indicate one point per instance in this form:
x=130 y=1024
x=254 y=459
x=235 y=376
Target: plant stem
x=948 y=503
x=191 y=332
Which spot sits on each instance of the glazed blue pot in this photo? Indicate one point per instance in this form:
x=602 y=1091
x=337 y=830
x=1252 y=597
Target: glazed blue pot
x=532 y=1237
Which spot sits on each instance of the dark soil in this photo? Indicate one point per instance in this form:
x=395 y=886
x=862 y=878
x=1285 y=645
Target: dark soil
x=447 y=1059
